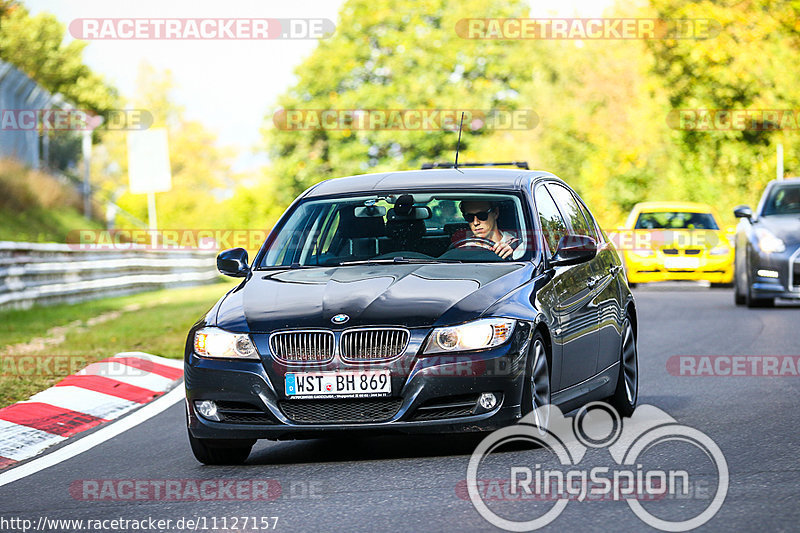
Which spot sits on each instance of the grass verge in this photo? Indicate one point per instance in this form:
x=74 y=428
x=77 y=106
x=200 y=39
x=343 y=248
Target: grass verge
x=42 y=345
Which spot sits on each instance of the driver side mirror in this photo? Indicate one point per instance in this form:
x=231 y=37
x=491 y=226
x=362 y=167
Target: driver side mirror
x=743 y=211
x=574 y=249
x=233 y=263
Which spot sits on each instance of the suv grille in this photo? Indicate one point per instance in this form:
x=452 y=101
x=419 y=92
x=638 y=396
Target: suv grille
x=302 y=346
x=370 y=344
x=340 y=411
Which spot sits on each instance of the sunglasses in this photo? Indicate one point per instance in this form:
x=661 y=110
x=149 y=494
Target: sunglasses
x=482 y=215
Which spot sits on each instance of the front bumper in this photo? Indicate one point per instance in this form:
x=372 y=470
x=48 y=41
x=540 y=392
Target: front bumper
x=711 y=268
x=786 y=265
x=431 y=394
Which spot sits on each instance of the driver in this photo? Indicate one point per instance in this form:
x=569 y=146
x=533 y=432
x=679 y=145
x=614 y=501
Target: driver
x=482 y=219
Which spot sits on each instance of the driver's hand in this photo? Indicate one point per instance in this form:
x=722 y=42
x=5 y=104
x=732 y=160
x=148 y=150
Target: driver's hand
x=503 y=249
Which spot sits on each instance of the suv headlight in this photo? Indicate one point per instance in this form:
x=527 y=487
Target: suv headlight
x=768 y=242
x=218 y=343
x=476 y=335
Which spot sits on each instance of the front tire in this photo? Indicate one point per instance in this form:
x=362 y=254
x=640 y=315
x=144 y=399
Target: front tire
x=626 y=395
x=753 y=302
x=739 y=297
x=536 y=391
x=220 y=452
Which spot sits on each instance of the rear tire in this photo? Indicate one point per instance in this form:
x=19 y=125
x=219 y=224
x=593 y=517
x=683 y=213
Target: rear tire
x=536 y=386
x=626 y=395
x=220 y=452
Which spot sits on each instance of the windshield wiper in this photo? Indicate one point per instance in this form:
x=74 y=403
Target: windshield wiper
x=398 y=260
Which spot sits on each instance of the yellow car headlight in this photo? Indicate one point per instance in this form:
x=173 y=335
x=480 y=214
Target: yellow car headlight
x=719 y=250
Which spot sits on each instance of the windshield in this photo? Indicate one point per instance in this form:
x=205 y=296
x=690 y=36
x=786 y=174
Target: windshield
x=408 y=227
x=783 y=201
x=676 y=220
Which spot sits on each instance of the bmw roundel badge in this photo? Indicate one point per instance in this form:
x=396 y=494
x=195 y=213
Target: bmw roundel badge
x=340 y=319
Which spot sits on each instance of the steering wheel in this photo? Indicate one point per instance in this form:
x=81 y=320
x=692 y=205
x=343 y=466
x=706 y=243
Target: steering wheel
x=476 y=242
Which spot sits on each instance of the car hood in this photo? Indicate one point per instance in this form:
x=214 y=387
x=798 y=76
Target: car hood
x=406 y=295
x=785 y=227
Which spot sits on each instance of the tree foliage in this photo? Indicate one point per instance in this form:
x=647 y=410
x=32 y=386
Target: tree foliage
x=393 y=54
x=35 y=45
x=604 y=106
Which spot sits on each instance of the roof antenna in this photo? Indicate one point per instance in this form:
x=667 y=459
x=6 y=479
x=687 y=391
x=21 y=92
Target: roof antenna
x=458 y=146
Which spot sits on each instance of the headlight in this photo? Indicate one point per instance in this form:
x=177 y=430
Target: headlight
x=215 y=342
x=483 y=333
x=768 y=242
x=719 y=250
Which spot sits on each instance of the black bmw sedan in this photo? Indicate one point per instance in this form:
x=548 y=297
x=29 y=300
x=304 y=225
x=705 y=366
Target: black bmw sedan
x=419 y=301
x=767 y=264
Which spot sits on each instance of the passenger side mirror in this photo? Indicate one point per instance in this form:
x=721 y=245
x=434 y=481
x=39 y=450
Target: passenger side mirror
x=574 y=249
x=233 y=263
x=743 y=211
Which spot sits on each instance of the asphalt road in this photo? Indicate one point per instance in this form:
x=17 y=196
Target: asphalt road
x=410 y=483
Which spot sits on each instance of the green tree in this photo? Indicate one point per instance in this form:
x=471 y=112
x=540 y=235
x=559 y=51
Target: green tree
x=748 y=65
x=36 y=46
x=393 y=54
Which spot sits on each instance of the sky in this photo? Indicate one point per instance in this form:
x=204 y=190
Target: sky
x=228 y=85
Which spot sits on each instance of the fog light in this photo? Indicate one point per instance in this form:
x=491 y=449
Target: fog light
x=207 y=409
x=487 y=401
x=767 y=273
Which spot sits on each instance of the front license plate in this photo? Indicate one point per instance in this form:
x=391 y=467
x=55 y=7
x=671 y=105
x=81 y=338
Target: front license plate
x=357 y=384
x=681 y=263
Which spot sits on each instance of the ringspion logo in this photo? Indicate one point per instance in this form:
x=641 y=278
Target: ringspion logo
x=547 y=480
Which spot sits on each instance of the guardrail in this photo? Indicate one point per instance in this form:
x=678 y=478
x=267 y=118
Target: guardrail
x=46 y=274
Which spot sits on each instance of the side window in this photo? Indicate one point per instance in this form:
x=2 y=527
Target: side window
x=572 y=211
x=553 y=225
x=592 y=225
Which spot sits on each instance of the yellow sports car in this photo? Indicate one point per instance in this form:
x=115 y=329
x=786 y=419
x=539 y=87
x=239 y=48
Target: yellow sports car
x=676 y=241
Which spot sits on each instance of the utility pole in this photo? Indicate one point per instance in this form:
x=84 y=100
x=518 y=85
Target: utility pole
x=87 y=165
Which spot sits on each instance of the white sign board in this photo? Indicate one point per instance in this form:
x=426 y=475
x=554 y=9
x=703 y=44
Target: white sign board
x=148 y=161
